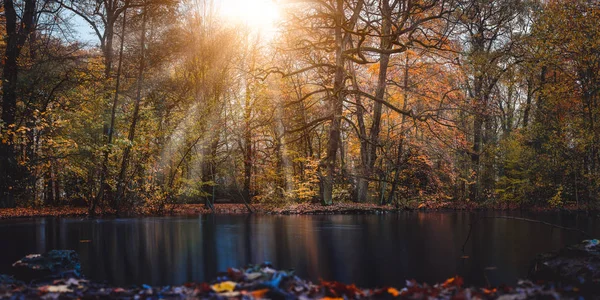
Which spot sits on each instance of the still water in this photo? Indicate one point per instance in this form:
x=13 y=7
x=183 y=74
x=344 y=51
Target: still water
x=369 y=250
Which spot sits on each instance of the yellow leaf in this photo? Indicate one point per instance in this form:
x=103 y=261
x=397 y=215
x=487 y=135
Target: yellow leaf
x=225 y=286
x=55 y=289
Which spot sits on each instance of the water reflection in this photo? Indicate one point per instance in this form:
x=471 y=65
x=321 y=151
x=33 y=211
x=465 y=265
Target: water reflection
x=367 y=250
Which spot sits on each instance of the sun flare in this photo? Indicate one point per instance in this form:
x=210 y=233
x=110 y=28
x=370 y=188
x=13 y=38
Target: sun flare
x=257 y=14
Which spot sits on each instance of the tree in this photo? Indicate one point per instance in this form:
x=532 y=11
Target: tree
x=136 y=111
x=17 y=32
x=404 y=24
x=489 y=31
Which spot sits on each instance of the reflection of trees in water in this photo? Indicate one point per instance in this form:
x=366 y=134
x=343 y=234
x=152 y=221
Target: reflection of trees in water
x=367 y=250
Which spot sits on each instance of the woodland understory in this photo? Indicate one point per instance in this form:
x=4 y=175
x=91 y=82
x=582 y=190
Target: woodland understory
x=391 y=103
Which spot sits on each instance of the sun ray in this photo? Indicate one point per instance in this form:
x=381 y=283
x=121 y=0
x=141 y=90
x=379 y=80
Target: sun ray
x=257 y=14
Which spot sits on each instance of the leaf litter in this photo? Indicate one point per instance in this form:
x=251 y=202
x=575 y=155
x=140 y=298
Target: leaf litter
x=265 y=282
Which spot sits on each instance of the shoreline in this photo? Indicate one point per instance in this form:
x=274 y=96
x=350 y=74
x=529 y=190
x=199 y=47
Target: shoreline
x=264 y=282
x=57 y=275
x=261 y=209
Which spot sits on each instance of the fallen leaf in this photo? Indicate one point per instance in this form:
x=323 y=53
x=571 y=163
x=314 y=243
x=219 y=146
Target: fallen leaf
x=201 y=289
x=235 y=274
x=449 y=281
x=225 y=286
x=259 y=293
x=55 y=289
x=85 y=241
x=456 y=281
x=488 y=291
x=338 y=289
x=74 y=281
x=392 y=291
x=253 y=276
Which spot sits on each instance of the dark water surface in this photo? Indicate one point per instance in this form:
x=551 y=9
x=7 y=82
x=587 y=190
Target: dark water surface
x=369 y=250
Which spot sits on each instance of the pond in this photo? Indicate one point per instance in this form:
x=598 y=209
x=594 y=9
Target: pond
x=369 y=250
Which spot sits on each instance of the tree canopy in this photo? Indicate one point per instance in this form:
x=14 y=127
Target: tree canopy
x=391 y=102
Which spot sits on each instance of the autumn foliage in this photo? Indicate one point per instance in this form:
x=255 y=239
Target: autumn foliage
x=391 y=103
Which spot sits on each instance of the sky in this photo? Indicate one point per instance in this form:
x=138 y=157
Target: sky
x=259 y=14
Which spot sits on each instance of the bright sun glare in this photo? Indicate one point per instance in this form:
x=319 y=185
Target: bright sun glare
x=258 y=14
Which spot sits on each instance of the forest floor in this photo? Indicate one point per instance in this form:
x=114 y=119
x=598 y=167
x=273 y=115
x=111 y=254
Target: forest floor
x=288 y=209
x=57 y=275
x=264 y=282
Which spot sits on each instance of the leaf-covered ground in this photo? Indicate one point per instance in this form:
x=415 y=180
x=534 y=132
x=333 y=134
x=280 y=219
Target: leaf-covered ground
x=23 y=212
x=196 y=209
x=235 y=208
x=291 y=209
x=264 y=282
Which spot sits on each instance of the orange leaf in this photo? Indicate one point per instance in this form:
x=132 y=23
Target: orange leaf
x=259 y=294
x=394 y=292
x=457 y=281
x=449 y=281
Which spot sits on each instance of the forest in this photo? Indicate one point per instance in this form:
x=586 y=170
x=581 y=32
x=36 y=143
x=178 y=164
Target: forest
x=394 y=102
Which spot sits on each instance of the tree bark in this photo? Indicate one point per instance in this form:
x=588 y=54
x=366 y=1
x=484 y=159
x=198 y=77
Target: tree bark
x=336 y=101
x=16 y=35
x=121 y=182
x=369 y=158
x=246 y=193
x=104 y=167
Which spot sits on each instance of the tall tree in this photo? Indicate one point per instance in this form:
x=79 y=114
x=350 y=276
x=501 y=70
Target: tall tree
x=398 y=25
x=18 y=29
x=488 y=30
x=121 y=180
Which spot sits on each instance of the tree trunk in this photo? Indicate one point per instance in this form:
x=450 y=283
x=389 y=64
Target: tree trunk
x=108 y=46
x=104 y=167
x=121 y=182
x=246 y=193
x=336 y=101
x=16 y=35
x=527 y=109
x=475 y=157
x=402 y=138
x=370 y=157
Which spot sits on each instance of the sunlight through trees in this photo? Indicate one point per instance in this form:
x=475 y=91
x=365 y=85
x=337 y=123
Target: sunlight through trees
x=493 y=102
